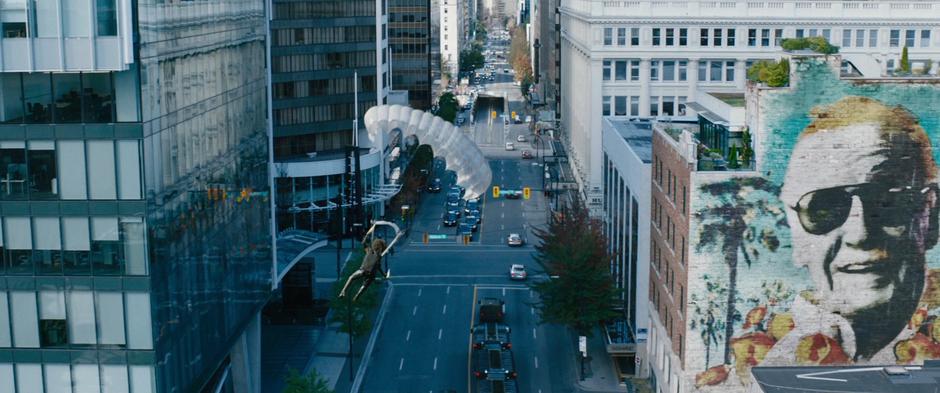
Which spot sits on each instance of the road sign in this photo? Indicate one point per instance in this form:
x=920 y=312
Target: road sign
x=526 y=192
x=438 y=236
x=495 y=191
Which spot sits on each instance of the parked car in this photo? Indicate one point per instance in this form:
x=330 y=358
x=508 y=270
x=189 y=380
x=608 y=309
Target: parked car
x=520 y=138
x=514 y=240
x=450 y=219
x=528 y=119
x=517 y=272
x=455 y=210
x=510 y=146
x=435 y=186
x=514 y=194
x=526 y=154
x=453 y=201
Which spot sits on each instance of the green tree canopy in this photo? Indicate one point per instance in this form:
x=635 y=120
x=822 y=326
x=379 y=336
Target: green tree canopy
x=471 y=59
x=773 y=73
x=905 y=66
x=310 y=383
x=447 y=107
x=815 y=44
x=574 y=249
x=358 y=312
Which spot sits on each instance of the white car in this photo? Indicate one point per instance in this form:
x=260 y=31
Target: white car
x=517 y=272
x=520 y=138
x=510 y=146
x=514 y=240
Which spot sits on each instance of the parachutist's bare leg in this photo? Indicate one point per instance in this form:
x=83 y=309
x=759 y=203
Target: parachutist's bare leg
x=365 y=285
x=352 y=277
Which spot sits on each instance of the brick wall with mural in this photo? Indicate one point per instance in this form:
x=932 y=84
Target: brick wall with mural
x=826 y=254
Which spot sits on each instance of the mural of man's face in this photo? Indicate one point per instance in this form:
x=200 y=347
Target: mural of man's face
x=859 y=213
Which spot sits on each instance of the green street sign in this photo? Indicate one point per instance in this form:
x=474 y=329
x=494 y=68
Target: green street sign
x=437 y=237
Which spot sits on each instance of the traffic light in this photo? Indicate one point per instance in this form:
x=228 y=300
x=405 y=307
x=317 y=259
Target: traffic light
x=513 y=114
x=526 y=192
x=495 y=191
x=427 y=238
x=493 y=114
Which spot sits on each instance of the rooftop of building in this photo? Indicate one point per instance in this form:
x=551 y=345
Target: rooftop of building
x=734 y=99
x=886 y=379
x=637 y=133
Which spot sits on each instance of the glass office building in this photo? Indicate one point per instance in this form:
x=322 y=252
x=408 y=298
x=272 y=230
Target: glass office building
x=409 y=31
x=317 y=50
x=135 y=245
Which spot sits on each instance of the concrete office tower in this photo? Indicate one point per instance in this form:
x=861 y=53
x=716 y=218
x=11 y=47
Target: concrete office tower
x=316 y=48
x=761 y=229
x=135 y=232
x=452 y=36
x=409 y=32
x=649 y=58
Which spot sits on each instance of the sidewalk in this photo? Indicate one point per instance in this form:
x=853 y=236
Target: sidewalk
x=599 y=369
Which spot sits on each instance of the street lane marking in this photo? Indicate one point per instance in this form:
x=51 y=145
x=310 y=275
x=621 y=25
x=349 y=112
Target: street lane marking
x=502 y=215
x=419 y=291
x=408 y=336
x=435 y=362
x=501 y=227
x=439 y=333
x=533 y=333
x=502 y=204
x=445 y=310
x=473 y=310
x=536 y=362
x=414 y=311
x=504 y=291
x=401 y=364
x=532 y=311
x=448 y=289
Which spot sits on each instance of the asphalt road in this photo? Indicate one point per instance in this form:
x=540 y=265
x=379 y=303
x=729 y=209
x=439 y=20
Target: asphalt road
x=423 y=343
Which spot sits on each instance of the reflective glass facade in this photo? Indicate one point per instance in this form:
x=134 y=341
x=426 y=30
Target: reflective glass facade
x=135 y=240
x=316 y=47
x=409 y=31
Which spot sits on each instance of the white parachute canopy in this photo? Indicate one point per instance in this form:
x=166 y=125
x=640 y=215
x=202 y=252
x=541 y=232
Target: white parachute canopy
x=459 y=152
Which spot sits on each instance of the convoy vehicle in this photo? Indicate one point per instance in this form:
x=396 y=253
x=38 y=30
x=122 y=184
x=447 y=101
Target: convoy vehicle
x=450 y=219
x=435 y=186
x=514 y=240
x=526 y=155
x=492 y=310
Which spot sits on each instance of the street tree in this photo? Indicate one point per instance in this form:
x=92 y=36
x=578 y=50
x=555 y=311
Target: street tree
x=310 y=383
x=573 y=249
x=471 y=59
x=447 y=107
x=353 y=317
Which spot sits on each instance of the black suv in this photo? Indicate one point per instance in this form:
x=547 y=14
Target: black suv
x=435 y=186
x=492 y=310
x=450 y=219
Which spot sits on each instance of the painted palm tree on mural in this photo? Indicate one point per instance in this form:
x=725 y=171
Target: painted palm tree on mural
x=740 y=218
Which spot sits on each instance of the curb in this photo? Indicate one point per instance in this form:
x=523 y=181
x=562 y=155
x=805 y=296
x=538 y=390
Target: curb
x=367 y=356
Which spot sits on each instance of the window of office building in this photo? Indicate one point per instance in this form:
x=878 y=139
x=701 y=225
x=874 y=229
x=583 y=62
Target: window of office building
x=703 y=37
x=683 y=37
x=778 y=36
x=608 y=36
x=730 y=41
x=657 y=36
x=765 y=37
x=107 y=17
x=924 y=38
x=909 y=38
x=622 y=36
x=751 y=37
x=654 y=70
x=608 y=64
x=47 y=245
x=13 y=174
x=605 y=106
x=859 y=38
x=634 y=70
x=41 y=167
x=873 y=38
x=683 y=65
x=654 y=106
x=670 y=37
x=847 y=38
x=717 y=37
x=895 y=38
x=76 y=18
x=634 y=36
x=620 y=105
x=620 y=70
x=634 y=105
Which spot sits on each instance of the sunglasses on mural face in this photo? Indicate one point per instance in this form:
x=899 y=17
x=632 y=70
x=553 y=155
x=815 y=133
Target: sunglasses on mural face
x=822 y=211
